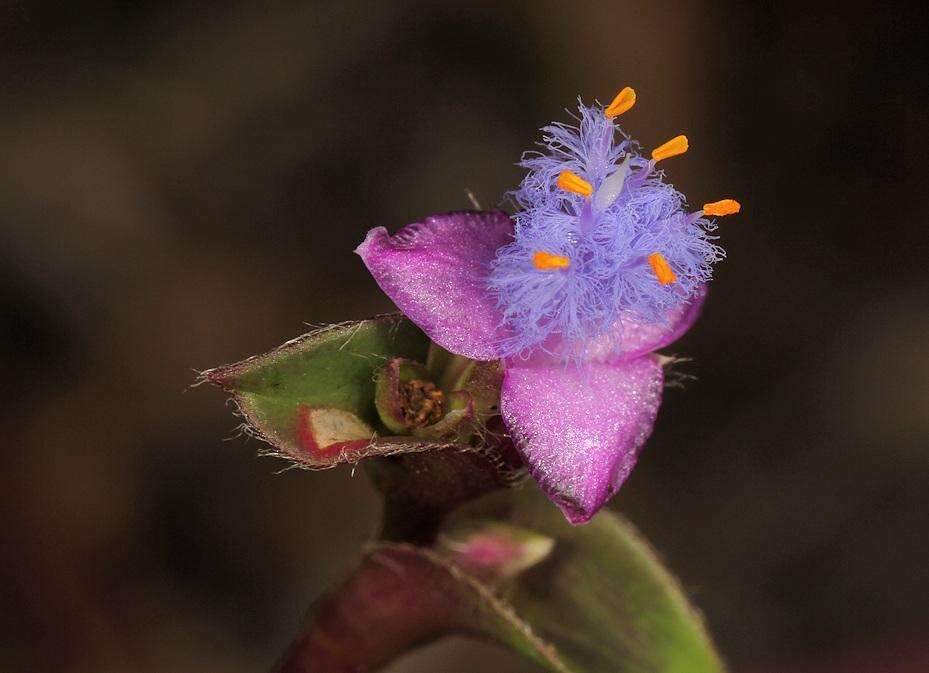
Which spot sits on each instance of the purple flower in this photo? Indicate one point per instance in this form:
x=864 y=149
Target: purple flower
x=599 y=267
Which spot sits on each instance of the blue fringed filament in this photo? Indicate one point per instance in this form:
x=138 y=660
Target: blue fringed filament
x=599 y=235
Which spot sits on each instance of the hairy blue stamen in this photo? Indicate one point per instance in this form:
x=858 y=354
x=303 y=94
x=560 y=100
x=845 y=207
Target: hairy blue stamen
x=602 y=206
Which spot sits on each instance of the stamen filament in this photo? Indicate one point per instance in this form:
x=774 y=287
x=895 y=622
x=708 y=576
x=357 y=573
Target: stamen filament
x=720 y=208
x=545 y=261
x=571 y=182
x=661 y=268
x=624 y=100
x=675 y=146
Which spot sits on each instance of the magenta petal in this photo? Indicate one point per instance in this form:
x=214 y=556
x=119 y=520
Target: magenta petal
x=628 y=339
x=434 y=272
x=580 y=429
x=636 y=338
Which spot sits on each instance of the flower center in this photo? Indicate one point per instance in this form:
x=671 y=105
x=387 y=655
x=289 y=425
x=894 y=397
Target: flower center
x=421 y=403
x=600 y=237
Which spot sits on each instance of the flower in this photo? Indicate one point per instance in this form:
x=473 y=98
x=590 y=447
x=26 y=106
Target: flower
x=600 y=266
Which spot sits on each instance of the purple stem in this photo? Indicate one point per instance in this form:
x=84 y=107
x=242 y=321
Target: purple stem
x=395 y=600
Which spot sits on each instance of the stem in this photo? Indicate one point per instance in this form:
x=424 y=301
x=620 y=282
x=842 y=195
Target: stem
x=421 y=488
x=388 y=606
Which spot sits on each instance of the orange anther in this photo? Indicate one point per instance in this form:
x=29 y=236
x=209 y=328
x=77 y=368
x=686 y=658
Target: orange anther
x=624 y=100
x=573 y=183
x=724 y=207
x=545 y=261
x=675 y=146
x=661 y=268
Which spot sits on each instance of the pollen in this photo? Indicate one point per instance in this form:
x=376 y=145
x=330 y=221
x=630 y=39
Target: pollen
x=675 y=146
x=623 y=102
x=724 y=207
x=570 y=182
x=545 y=261
x=661 y=268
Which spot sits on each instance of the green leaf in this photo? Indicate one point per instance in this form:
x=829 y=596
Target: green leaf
x=312 y=399
x=601 y=599
x=591 y=599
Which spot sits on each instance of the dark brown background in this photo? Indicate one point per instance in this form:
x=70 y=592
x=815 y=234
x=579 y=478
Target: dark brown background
x=183 y=187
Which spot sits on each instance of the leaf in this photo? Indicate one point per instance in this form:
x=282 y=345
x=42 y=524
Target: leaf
x=312 y=399
x=602 y=598
x=591 y=599
x=401 y=596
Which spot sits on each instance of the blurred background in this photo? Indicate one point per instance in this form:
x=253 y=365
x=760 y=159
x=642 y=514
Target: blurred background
x=181 y=187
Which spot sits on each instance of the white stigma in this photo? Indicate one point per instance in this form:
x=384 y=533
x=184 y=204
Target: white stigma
x=611 y=187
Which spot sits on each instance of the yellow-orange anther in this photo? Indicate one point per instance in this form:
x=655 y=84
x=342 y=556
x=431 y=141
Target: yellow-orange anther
x=624 y=100
x=724 y=207
x=575 y=184
x=545 y=261
x=661 y=268
x=675 y=146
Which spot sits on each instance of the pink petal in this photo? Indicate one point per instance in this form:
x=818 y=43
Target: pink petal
x=580 y=429
x=636 y=338
x=628 y=339
x=434 y=272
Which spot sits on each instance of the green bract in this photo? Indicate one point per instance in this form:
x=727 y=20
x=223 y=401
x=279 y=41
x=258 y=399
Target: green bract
x=312 y=399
